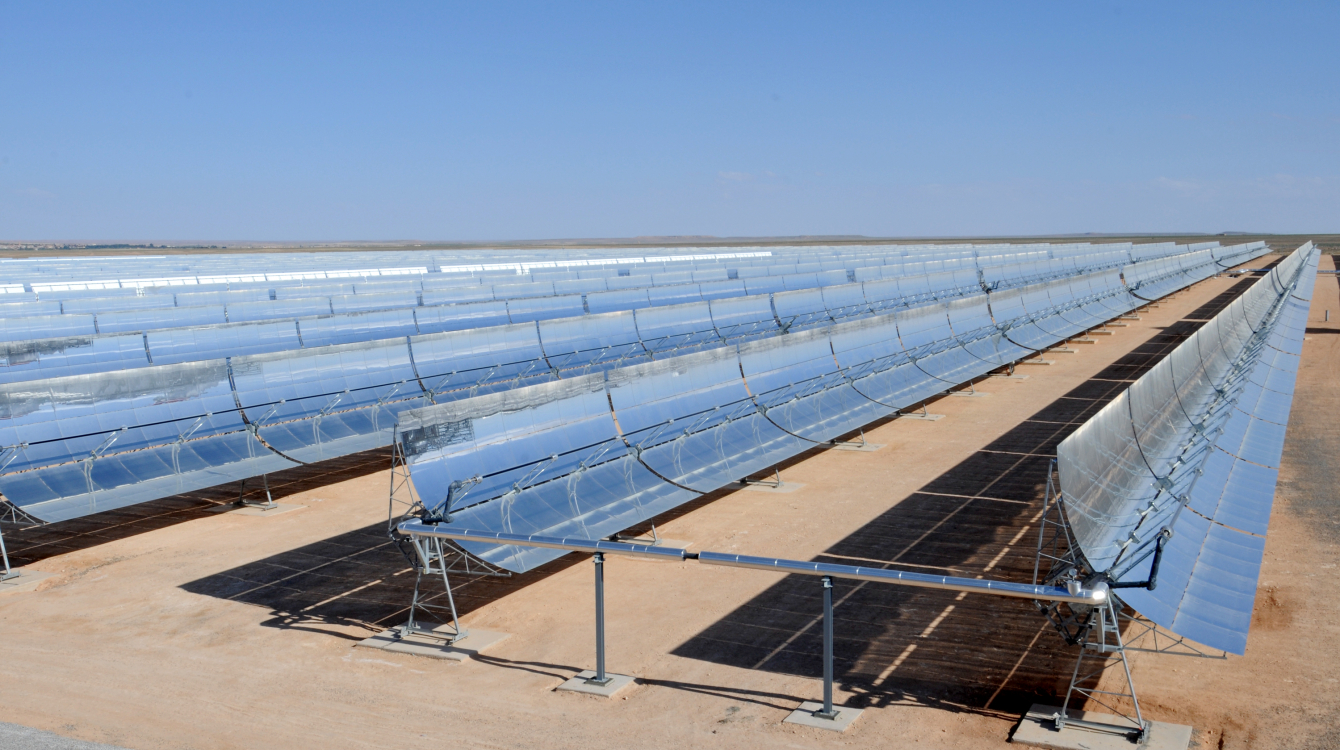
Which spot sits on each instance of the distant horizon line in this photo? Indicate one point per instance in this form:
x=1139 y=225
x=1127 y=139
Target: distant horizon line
x=642 y=240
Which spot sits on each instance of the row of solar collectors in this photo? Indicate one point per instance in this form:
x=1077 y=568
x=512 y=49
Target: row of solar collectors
x=89 y=268
x=154 y=312
x=86 y=268
x=1193 y=448
x=224 y=271
x=81 y=444
x=592 y=456
x=51 y=281
x=429 y=291
x=57 y=282
x=138 y=339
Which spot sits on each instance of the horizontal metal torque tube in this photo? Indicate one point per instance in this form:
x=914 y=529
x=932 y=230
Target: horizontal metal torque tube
x=414 y=528
x=1094 y=595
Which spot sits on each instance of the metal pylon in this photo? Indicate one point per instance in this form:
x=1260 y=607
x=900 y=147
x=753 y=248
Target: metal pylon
x=1101 y=650
x=8 y=572
x=403 y=502
x=430 y=559
x=1058 y=564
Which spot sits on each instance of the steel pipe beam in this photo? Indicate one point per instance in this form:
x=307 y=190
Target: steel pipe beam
x=1097 y=594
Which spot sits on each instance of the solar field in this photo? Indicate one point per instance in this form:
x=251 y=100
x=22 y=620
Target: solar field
x=459 y=433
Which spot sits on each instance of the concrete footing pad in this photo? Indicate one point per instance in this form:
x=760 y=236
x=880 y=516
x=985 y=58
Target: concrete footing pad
x=579 y=684
x=1010 y=377
x=922 y=417
x=786 y=487
x=804 y=716
x=1035 y=362
x=972 y=394
x=1100 y=332
x=417 y=644
x=1036 y=729
x=252 y=510
x=858 y=447
x=27 y=580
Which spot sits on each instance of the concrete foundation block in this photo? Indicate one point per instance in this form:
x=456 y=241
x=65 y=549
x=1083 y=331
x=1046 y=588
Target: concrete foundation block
x=786 y=487
x=423 y=644
x=804 y=716
x=26 y=580
x=579 y=684
x=1037 y=729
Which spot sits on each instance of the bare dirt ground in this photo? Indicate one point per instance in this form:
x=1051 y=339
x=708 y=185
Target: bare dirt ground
x=169 y=627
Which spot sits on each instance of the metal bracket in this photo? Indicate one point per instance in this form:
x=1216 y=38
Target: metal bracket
x=269 y=503
x=849 y=444
x=776 y=483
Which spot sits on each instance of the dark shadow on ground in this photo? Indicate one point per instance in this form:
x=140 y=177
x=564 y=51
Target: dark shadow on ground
x=359 y=578
x=30 y=544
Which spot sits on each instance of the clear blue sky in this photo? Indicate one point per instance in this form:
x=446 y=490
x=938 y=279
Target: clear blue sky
x=326 y=121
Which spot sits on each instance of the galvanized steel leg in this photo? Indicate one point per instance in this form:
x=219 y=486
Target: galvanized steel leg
x=827 y=712
x=451 y=599
x=601 y=678
x=4 y=553
x=269 y=501
x=410 y=625
x=1126 y=665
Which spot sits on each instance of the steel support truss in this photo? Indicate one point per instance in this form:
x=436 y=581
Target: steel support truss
x=431 y=558
x=1096 y=629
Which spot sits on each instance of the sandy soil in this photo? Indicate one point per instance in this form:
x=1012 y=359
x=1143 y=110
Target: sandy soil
x=183 y=629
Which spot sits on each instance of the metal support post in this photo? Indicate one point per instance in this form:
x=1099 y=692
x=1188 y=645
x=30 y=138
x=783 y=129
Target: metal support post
x=775 y=484
x=601 y=678
x=269 y=503
x=844 y=444
x=9 y=573
x=827 y=711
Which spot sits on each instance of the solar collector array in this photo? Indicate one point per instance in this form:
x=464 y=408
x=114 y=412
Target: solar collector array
x=82 y=353
x=76 y=445
x=705 y=268
x=590 y=457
